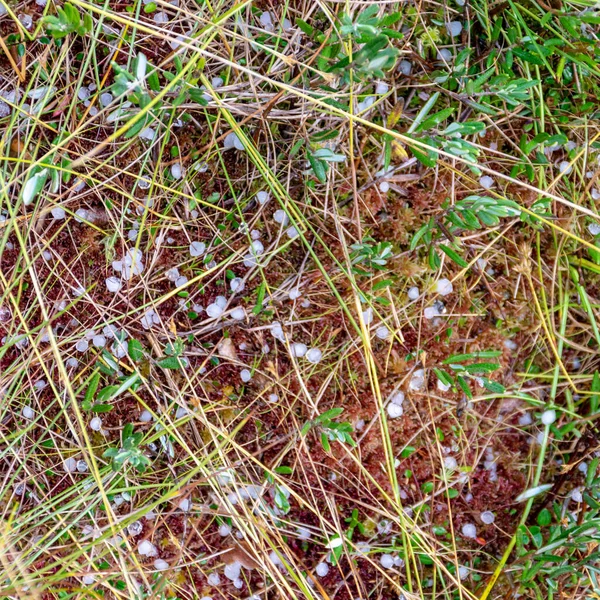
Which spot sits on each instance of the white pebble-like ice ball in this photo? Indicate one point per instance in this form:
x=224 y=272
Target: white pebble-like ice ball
x=197 y=248
x=146 y=548
x=299 y=349
x=214 y=311
x=548 y=417
x=463 y=572
x=161 y=565
x=262 y=197
x=96 y=424
x=58 y=213
x=236 y=284
x=146 y=416
x=387 y=561
x=384 y=187
x=238 y=314
x=214 y=579
x=82 y=345
x=469 y=530
x=486 y=182
x=594 y=228
x=322 y=569
x=405 y=67
x=454 y=28
x=232 y=570
x=382 y=332
x=413 y=293
x=397 y=397
x=487 y=517
x=443 y=287
x=106 y=98
x=113 y=284
x=450 y=463
x=565 y=167
x=70 y=465
x=27 y=412
x=314 y=356
x=394 y=410
x=224 y=530
x=245 y=375
x=176 y=170
x=279 y=216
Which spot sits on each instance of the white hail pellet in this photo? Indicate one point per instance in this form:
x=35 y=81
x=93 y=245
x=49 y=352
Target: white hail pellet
x=548 y=417
x=394 y=410
x=405 y=67
x=413 y=293
x=70 y=465
x=232 y=141
x=443 y=287
x=382 y=88
x=397 y=397
x=82 y=345
x=450 y=463
x=197 y=248
x=99 y=341
x=27 y=412
x=176 y=170
x=292 y=232
x=367 y=316
x=384 y=187
x=417 y=381
x=279 y=216
x=486 y=182
x=443 y=387
x=463 y=572
x=565 y=167
x=245 y=375
x=113 y=284
x=299 y=349
x=214 y=311
x=454 y=28
x=237 y=284
x=161 y=18
x=469 y=530
x=106 y=98
x=314 y=356
x=322 y=569
x=58 y=213
x=232 y=570
x=262 y=197
x=238 y=314
x=161 y=565
x=382 y=332
x=487 y=517
x=273 y=397
x=525 y=419
x=594 y=228
x=181 y=280
x=214 y=579
x=146 y=416
x=146 y=548
x=96 y=424
x=147 y=134
x=224 y=530
x=387 y=561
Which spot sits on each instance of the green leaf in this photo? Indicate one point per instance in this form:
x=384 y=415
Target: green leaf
x=453 y=255
x=319 y=168
x=544 y=518
x=171 y=362
x=135 y=349
x=92 y=387
x=458 y=358
x=33 y=186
